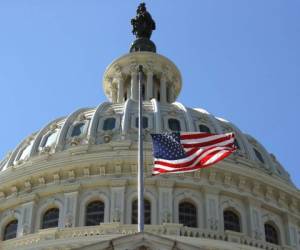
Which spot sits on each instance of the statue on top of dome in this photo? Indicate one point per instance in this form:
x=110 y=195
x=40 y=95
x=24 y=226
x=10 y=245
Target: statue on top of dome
x=142 y=24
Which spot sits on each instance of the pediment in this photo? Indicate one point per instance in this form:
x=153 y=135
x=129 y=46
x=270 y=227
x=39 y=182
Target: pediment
x=139 y=241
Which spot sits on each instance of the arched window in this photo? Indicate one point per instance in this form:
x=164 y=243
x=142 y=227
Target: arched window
x=145 y=122
x=231 y=221
x=50 y=218
x=49 y=139
x=271 y=234
x=147 y=212
x=94 y=213
x=174 y=125
x=109 y=123
x=204 y=128
x=77 y=129
x=258 y=155
x=25 y=151
x=187 y=214
x=10 y=231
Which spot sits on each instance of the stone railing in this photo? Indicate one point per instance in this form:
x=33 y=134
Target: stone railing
x=110 y=230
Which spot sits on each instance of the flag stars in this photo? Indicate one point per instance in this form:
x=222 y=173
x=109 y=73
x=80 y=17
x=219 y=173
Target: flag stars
x=167 y=146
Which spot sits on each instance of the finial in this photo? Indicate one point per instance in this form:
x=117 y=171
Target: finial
x=142 y=27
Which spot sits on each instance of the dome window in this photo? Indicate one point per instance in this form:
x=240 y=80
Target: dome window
x=10 y=230
x=49 y=139
x=187 y=214
x=147 y=212
x=174 y=125
x=50 y=218
x=204 y=128
x=258 y=156
x=25 y=151
x=109 y=124
x=77 y=129
x=231 y=221
x=271 y=234
x=145 y=122
x=236 y=144
x=94 y=213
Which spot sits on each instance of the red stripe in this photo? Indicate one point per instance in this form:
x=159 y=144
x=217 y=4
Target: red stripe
x=192 y=151
x=186 y=164
x=195 y=136
x=196 y=167
x=208 y=143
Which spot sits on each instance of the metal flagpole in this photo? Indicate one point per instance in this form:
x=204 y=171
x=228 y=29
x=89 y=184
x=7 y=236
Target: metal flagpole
x=140 y=158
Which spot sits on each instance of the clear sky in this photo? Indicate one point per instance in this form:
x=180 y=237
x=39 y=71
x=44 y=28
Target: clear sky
x=239 y=60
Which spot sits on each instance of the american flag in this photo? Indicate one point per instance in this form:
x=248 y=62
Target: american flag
x=187 y=152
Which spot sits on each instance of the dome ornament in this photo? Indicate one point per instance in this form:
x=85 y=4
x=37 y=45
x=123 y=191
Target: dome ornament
x=142 y=27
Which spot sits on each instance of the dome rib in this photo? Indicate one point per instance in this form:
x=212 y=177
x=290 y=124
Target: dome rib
x=91 y=135
x=212 y=119
x=157 y=115
x=126 y=117
x=264 y=152
x=187 y=115
x=40 y=135
x=65 y=127
x=17 y=150
x=244 y=140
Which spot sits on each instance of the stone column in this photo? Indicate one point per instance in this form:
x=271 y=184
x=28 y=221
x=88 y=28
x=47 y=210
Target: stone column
x=117 y=200
x=255 y=226
x=113 y=93
x=120 y=84
x=149 y=84
x=134 y=86
x=70 y=209
x=172 y=94
x=165 y=206
x=211 y=209
x=291 y=231
x=27 y=215
x=163 y=89
x=128 y=91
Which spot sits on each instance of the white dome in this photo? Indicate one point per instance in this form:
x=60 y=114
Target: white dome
x=57 y=136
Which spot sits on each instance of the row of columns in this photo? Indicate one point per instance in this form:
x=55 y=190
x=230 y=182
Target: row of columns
x=118 y=88
x=212 y=213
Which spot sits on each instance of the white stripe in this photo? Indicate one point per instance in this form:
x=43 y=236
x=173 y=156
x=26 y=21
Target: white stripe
x=193 y=156
x=216 y=157
x=183 y=160
x=198 y=152
x=195 y=162
x=177 y=172
x=220 y=144
x=205 y=139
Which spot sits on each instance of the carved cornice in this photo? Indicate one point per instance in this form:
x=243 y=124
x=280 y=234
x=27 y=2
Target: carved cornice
x=118 y=183
x=165 y=183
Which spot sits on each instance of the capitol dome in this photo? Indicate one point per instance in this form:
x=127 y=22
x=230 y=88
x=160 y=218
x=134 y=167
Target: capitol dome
x=72 y=184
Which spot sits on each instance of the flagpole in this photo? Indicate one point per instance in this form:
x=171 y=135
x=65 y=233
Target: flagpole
x=140 y=187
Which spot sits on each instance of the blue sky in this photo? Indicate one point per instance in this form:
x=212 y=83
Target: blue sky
x=239 y=60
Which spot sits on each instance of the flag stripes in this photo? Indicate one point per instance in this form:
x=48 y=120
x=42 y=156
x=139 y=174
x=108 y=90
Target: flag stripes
x=201 y=151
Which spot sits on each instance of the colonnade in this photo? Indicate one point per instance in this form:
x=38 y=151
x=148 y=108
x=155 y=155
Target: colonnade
x=160 y=89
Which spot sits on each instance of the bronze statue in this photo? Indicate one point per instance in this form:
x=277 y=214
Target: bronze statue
x=142 y=24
